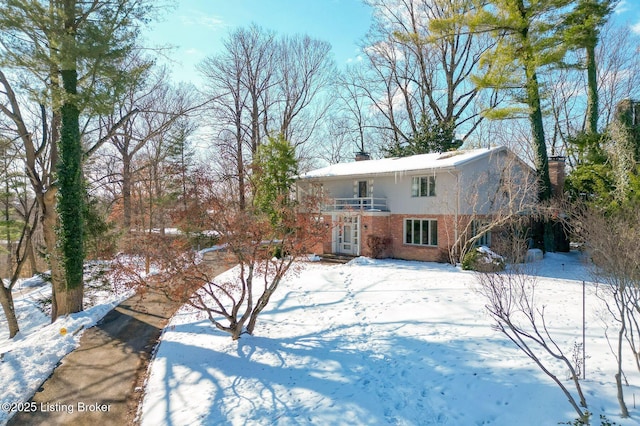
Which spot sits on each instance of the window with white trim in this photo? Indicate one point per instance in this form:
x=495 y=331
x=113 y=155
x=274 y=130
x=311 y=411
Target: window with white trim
x=423 y=186
x=363 y=191
x=423 y=232
x=480 y=227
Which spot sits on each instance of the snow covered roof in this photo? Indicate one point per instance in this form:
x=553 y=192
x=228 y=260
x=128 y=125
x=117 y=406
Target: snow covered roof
x=445 y=160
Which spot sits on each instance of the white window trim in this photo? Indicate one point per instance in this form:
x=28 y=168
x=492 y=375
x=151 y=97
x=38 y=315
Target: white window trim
x=404 y=231
x=356 y=188
x=485 y=238
x=431 y=186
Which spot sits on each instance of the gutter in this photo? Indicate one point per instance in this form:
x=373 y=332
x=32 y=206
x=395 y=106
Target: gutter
x=457 y=209
x=409 y=172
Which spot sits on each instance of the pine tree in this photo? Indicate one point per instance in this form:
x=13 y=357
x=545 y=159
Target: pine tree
x=526 y=35
x=70 y=176
x=527 y=41
x=275 y=167
x=431 y=136
x=581 y=30
x=71 y=55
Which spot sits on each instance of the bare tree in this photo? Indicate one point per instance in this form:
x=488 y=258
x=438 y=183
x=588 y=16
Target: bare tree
x=421 y=60
x=567 y=114
x=38 y=134
x=147 y=111
x=304 y=70
x=19 y=222
x=618 y=69
x=612 y=243
x=494 y=206
x=510 y=300
x=264 y=254
x=355 y=108
x=239 y=80
x=618 y=79
x=262 y=85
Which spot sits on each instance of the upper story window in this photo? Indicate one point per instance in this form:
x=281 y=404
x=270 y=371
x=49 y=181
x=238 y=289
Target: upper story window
x=363 y=192
x=423 y=186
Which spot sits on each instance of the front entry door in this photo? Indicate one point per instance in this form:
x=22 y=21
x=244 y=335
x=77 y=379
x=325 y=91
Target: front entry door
x=348 y=235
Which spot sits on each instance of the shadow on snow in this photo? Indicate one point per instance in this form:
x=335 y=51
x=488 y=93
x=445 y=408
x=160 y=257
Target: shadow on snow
x=328 y=378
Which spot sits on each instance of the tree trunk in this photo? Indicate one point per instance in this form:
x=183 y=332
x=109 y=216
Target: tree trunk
x=70 y=176
x=241 y=177
x=50 y=222
x=126 y=193
x=236 y=331
x=540 y=150
x=624 y=412
x=592 y=91
x=33 y=263
x=537 y=129
x=262 y=303
x=71 y=200
x=6 y=300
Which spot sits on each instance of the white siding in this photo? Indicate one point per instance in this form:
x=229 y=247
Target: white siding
x=475 y=187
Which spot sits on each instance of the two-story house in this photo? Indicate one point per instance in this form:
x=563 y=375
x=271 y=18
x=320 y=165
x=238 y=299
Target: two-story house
x=416 y=207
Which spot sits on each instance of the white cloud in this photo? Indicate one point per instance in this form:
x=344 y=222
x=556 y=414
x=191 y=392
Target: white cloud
x=193 y=52
x=213 y=22
x=385 y=49
x=199 y=19
x=622 y=7
x=636 y=28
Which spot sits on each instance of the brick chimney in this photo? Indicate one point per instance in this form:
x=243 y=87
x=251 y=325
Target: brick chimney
x=556 y=175
x=363 y=156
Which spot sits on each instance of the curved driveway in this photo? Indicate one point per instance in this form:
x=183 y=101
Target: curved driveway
x=101 y=382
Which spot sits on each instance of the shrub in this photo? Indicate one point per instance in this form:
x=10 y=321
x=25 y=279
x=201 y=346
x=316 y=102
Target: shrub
x=482 y=259
x=377 y=245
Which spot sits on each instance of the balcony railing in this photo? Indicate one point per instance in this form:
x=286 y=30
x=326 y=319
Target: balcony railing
x=364 y=203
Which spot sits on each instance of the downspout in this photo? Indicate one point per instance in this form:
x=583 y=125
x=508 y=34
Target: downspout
x=457 y=208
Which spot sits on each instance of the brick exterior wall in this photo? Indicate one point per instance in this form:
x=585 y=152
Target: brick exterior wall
x=375 y=231
x=557 y=175
x=417 y=252
x=390 y=230
x=326 y=242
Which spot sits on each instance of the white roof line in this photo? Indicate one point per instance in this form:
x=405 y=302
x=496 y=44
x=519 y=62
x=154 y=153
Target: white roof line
x=424 y=162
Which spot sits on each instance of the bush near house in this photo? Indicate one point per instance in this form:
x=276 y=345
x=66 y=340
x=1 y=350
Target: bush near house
x=378 y=245
x=482 y=259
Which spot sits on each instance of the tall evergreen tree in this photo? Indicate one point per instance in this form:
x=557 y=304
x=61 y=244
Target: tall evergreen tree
x=581 y=30
x=431 y=136
x=527 y=40
x=70 y=52
x=275 y=168
x=70 y=179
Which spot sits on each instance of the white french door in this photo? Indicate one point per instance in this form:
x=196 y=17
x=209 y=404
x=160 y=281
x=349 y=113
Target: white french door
x=348 y=235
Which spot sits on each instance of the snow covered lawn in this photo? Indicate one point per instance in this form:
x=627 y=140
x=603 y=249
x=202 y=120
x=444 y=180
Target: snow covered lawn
x=379 y=342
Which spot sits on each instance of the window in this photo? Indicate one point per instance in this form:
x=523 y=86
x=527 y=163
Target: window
x=362 y=189
x=423 y=186
x=476 y=228
x=421 y=232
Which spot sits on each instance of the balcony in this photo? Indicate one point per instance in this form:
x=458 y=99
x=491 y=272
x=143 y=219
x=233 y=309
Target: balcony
x=358 y=204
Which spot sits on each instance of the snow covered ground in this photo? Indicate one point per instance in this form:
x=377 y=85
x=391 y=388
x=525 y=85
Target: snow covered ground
x=381 y=342
x=28 y=360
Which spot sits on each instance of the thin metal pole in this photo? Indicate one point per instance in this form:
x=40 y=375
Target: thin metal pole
x=584 y=339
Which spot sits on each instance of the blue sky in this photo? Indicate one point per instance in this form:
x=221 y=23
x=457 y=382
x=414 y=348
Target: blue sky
x=197 y=27
x=628 y=12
